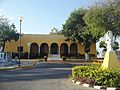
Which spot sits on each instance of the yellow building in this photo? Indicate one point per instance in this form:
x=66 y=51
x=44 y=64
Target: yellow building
x=40 y=45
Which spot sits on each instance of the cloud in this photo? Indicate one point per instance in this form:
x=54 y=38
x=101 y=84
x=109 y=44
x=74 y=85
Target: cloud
x=3 y=12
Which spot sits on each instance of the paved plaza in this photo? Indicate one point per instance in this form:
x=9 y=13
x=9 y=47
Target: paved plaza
x=44 y=76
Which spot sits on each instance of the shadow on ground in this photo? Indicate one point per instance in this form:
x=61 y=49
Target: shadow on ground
x=41 y=71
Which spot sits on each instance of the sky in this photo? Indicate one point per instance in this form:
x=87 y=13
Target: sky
x=40 y=16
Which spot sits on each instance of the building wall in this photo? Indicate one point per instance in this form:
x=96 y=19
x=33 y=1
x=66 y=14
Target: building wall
x=28 y=39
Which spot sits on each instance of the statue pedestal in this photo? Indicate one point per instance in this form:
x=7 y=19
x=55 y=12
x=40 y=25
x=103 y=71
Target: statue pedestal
x=110 y=60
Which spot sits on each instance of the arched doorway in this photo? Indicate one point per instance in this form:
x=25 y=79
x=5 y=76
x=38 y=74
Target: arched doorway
x=34 y=48
x=44 y=49
x=64 y=49
x=73 y=48
x=54 y=48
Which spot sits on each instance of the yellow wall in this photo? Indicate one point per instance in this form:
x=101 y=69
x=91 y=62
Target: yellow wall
x=42 y=38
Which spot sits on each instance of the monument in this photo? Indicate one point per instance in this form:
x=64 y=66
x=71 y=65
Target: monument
x=110 y=59
x=5 y=58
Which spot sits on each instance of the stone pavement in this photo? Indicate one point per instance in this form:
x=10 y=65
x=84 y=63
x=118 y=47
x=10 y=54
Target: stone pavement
x=45 y=76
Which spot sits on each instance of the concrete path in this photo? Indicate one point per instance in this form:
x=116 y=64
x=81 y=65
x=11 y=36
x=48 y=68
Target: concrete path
x=45 y=76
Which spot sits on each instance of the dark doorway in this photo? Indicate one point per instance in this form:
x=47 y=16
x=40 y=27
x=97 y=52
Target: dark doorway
x=54 y=48
x=34 y=48
x=64 y=49
x=73 y=48
x=44 y=49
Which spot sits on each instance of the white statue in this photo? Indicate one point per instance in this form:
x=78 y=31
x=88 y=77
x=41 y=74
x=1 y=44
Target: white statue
x=108 y=38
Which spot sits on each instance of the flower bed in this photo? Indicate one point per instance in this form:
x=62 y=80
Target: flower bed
x=94 y=75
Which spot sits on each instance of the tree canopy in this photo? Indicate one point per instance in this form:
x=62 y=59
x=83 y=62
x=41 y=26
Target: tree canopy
x=88 y=25
x=74 y=24
x=103 y=45
x=75 y=29
x=7 y=31
x=103 y=17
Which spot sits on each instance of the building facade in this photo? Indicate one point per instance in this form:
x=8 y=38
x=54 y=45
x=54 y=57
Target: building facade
x=40 y=45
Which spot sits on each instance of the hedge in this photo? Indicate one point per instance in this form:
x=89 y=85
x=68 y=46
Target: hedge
x=104 y=77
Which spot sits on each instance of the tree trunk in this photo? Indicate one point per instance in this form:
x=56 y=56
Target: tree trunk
x=87 y=57
x=87 y=49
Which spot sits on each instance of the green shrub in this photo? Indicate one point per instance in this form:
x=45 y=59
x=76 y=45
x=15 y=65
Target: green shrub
x=105 y=77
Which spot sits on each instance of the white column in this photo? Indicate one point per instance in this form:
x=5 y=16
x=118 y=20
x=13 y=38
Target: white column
x=68 y=50
x=39 y=49
x=28 y=44
x=49 y=50
x=59 y=50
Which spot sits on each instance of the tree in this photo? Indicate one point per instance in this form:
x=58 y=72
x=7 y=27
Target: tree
x=87 y=39
x=116 y=46
x=103 y=45
x=103 y=17
x=7 y=31
x=74 y=24
x=75 y=29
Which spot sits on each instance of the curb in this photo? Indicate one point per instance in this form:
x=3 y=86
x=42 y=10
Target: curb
x=7 y=68
x=86 y=85
x=18 y=67
x=96 y=87
x=99 y=87
x=113 y=88
x=29 y=66
x=78 y=83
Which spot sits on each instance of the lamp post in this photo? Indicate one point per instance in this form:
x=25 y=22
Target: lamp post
x=21 y=18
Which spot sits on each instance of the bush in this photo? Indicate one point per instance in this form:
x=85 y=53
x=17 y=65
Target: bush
x=105 y=77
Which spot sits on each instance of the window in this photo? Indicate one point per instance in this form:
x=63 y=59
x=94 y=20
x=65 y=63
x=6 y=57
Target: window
x=20 y=48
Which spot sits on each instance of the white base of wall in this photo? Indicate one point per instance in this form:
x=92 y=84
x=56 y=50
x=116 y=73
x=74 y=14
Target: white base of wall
x=54 y=57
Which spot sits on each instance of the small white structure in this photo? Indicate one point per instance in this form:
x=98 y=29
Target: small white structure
x=108 y=38
x=110 y=59
x=5 y=57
